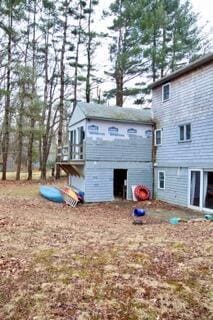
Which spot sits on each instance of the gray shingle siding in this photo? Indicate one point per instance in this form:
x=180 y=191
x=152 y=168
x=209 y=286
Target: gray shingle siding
x=191 y=102
x=176 y=185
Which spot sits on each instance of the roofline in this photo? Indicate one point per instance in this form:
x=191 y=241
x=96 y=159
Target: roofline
x=207 y=59
x=119 y=120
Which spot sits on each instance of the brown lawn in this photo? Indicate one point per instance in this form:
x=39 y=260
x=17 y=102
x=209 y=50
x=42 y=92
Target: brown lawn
x=92 y=263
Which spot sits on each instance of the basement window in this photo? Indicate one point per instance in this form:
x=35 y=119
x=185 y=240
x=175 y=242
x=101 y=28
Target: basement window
x=166 y=88
x=161 y=180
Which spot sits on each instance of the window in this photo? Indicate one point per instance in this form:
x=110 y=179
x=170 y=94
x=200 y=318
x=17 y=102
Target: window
x=158 y=137
x=81 y=136
x=185 y=132
x=161 y=179
x=166 y=92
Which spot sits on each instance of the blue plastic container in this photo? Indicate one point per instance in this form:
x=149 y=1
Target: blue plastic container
x=139 y=212
x=175 y=220
x=51 y=194
x=209 y=217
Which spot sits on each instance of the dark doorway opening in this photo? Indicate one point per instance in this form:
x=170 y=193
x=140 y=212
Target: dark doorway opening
x=120 y=183
x=208 y=190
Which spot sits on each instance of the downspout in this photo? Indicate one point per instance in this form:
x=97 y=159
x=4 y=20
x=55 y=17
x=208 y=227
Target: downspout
x=154 y=153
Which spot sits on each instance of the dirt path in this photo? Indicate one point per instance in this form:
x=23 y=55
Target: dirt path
x=93 y=263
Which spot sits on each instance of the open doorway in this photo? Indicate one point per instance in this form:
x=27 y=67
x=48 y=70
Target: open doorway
x=120 y=183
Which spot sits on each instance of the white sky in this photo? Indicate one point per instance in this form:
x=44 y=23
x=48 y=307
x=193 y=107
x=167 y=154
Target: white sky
x=205 y=9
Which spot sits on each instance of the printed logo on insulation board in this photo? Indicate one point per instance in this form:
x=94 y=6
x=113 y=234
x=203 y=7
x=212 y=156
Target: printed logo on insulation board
x=148 y=133
x=114 y=131
x=106 y=131
x=132 y=131
x=94 y=129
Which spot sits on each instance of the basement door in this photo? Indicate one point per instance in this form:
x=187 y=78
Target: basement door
x=201 y=189
x=120 y=183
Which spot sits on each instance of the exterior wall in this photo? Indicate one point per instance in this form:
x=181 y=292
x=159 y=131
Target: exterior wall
x=176 y=185
x=99 y=178
x=106 y=145
x=191 y=102
x=78 y=182
x=110 y=145
x=76 y=117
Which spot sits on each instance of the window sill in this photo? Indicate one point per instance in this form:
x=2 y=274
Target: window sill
x=166 y=100
x=185 y=141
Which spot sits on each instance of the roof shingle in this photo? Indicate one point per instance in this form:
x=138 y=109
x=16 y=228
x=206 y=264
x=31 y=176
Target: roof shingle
x=98 y=111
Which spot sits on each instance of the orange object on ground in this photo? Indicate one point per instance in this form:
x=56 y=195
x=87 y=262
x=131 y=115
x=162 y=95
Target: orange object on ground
x=70 y=197
x=142 y=193
x=70 y=193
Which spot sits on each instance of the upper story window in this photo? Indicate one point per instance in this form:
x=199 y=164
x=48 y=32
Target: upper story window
x=166 y=92
x=158 y=137
x=185 y=132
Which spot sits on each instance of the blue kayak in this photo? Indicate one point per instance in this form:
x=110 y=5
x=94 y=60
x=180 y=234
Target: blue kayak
x=51 y=193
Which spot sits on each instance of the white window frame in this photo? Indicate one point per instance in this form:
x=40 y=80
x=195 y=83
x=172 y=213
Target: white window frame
x=201 y=205
x=164 y=174
x=163 y=86
x=155 y=136
x=198 y=208
x=184 y=132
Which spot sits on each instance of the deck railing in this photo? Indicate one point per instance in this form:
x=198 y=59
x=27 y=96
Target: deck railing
x=77 y=151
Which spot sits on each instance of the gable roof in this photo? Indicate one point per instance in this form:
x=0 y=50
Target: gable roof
x=121 y=114
x=207 y=59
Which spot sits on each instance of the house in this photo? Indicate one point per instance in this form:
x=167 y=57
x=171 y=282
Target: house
x=110 y=150
x=183 y=113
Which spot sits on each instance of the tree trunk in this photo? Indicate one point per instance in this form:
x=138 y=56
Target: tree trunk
x=32 y=120
x=154 y=49
x=6 y=124
x=30 y=150
x=20 y=142
x=61 y=102
x=77 y=58
x=119 y=88
x=88 y=85
x=21 y=110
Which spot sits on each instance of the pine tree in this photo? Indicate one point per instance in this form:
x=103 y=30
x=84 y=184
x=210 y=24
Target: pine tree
x=10 y=11
x=124 y=52
x=169 y=34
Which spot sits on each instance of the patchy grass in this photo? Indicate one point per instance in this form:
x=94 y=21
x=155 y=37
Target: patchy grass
x=92 y=263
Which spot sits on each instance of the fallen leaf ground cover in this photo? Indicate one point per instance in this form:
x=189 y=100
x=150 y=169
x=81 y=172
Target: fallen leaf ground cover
x=92 y=263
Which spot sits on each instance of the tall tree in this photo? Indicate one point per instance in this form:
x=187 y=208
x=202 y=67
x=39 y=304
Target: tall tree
x=10 y=13
x=66 y=11
x=169 y=34
x=124 y=52
x=91 y=45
